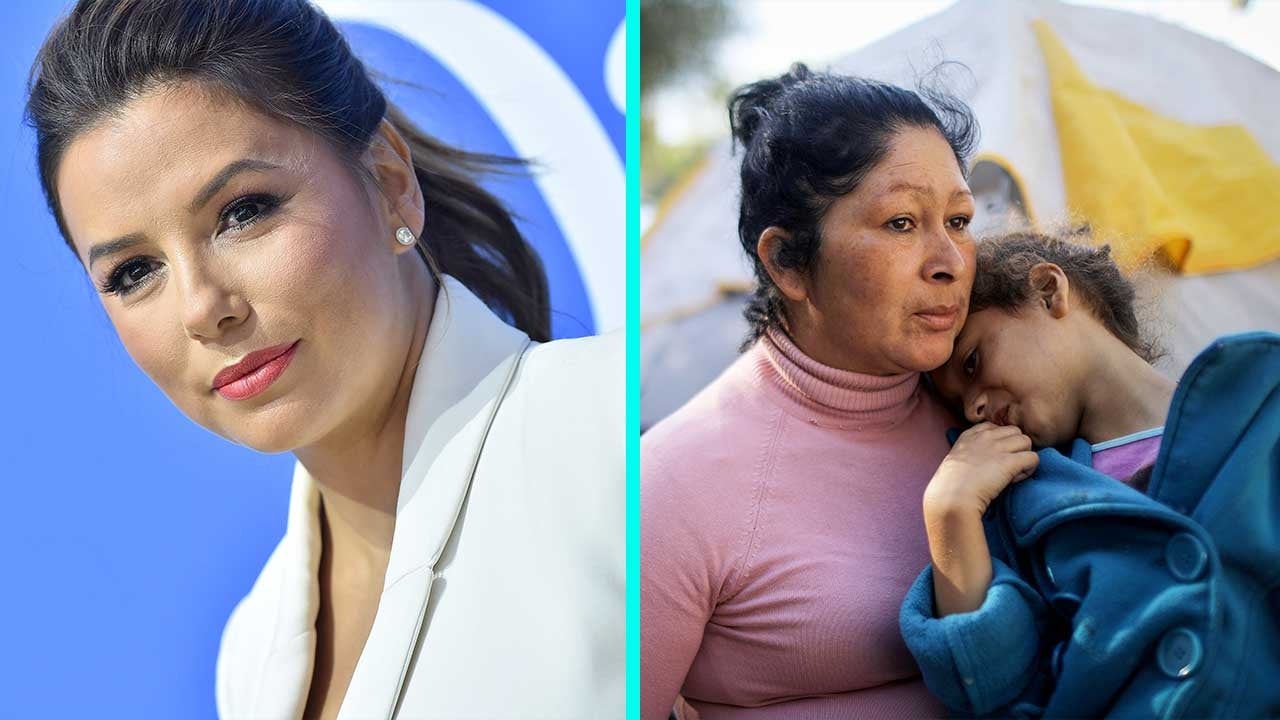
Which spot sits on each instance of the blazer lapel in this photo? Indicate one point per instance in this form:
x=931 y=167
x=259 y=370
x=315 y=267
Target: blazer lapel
x=286 y=676
x=465 y=362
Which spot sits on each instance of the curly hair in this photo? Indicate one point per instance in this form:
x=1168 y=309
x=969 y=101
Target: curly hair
x=1003 y=282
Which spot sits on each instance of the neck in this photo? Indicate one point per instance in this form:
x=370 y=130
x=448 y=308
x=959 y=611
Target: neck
x=357 y=468
x=815 y=342
x=1123 y=395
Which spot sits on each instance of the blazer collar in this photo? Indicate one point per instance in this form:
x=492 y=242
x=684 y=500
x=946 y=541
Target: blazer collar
x=465 y=361
x=462 y=368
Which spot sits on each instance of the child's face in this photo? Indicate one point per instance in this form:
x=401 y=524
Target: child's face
x=1017 y=369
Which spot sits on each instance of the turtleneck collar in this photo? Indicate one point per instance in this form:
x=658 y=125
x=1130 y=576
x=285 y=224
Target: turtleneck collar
x=829 y=396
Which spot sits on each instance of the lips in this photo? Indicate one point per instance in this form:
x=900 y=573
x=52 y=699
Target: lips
x=255 y=373
x=1002 y=416
x=939 y=317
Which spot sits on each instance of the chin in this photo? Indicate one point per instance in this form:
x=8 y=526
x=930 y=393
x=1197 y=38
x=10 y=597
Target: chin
x=927 y=355
x=269 y=434
x=269 y=446
x=1051 y=438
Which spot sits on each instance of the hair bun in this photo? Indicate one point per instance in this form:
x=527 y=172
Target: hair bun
x=752 y=105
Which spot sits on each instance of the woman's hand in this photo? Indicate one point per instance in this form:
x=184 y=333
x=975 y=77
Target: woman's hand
x=983 y=462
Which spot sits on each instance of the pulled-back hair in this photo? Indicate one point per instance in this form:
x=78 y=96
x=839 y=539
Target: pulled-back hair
x=1003 y=281
x=287 y=60
x=809 y=138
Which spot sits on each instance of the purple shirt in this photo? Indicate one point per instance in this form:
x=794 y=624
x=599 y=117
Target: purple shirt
x=1123 y=457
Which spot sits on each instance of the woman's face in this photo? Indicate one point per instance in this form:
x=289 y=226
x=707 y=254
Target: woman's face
x=213 y=232
x=889 y=288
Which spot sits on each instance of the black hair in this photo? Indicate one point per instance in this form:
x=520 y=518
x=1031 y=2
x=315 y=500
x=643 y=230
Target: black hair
x=286 y=59
x=809 y=138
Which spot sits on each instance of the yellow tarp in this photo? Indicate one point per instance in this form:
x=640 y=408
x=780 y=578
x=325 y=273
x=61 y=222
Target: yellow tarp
x=1208 y=195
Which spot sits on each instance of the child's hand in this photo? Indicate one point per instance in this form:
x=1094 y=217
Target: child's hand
x=984 y=461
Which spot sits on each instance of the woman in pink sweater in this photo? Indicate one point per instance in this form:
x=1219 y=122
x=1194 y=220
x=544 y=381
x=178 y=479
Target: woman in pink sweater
x=781 y=507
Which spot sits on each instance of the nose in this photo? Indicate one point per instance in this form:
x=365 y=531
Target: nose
x=944 y=261
x=209 y=307
x=975 y=406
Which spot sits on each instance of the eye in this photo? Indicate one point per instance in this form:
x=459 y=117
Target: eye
x=970 y=365
x=245 y=211
x=129 y=276
x=901 y=224
x=959 y=222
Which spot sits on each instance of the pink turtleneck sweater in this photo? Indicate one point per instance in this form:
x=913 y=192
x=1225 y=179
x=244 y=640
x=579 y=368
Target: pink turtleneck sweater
x=781 y=526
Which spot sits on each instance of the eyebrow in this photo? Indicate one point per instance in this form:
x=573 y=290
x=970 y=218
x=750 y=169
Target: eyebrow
x=232 y=169
x=113 y=246
x=202 y=198
x=922 y=190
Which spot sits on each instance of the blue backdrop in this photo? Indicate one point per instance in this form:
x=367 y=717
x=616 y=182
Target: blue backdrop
x=128 y=532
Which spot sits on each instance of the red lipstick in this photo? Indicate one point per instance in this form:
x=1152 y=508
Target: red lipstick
x=255 y=373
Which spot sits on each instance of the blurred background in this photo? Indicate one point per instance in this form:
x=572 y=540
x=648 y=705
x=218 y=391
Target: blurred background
x=1151 y=122
x=129 y=532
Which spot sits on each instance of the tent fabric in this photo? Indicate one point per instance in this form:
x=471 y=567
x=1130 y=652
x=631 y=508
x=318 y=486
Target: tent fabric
x=1208 y=197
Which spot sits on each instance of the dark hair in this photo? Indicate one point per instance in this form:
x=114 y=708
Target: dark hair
x=1003 y=282
x=811 y=137
x=286 y=59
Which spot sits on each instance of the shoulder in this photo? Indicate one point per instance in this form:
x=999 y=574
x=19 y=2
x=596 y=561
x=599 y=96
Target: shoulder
x=564 y=420
x=593 y=361
x=723 y=427
x=574 y=389
x=704 y=474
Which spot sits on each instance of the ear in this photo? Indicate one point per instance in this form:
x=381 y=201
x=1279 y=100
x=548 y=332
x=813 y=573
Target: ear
x=791 y=281
x=1050 y=288
x=392 y=165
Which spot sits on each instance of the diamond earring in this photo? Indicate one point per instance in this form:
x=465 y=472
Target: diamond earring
x=405 y=237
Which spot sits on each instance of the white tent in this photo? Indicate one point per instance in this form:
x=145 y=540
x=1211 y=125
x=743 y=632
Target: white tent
x=694 y=276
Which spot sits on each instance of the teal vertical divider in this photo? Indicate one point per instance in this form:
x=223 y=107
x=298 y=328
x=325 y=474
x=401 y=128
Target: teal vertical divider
x=633 y=358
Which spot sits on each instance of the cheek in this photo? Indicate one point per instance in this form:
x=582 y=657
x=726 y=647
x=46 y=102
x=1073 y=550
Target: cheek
x=329 y=282
x=317 y=266
x=1044 y=395
x=157 y=346
x=861 y=285
x=969 y=251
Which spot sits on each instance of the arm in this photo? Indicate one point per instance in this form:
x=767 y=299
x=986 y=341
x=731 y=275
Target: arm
x=972 y=624
x=983 y=662
x=960 y=556
x=676 y=591
x=985 y=459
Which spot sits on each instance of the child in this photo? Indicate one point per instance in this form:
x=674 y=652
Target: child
x=1139 y=576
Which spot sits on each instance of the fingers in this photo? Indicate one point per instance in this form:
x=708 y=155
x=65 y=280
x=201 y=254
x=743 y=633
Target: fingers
x=1017 y=442
x=1006 y=438
x=1024 y=464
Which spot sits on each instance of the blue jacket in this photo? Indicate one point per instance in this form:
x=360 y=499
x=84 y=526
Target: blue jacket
x=1106 y=602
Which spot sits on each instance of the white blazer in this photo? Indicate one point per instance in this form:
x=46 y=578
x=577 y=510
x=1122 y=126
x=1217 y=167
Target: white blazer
x=505 y=592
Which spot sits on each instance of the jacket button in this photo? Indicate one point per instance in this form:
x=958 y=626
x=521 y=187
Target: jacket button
x=1186 y=557
x=1065 y=604
x=1179 y=653
x=1055 y=660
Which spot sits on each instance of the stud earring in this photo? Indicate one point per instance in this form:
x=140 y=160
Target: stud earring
x=405 y=237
